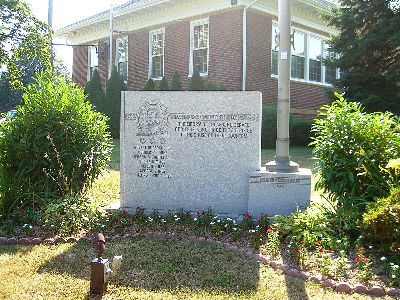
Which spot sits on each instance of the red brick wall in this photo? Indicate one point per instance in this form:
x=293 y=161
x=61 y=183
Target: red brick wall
x=176 y=51
x=138 y=59
x=225 y=57
x=80 y=65
x=225 y=62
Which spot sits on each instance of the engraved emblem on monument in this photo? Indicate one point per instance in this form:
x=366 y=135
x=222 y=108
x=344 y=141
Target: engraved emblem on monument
x=153 y=119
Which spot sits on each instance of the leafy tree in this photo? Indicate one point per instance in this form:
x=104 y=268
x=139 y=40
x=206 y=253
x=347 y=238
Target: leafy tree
x=196 y=83
x=163 y=85
x=11 y=95
x=176 y=84
x=150 y=85
x=94 y=91
x=369 y=52
x=22 y=37
x=112 y=107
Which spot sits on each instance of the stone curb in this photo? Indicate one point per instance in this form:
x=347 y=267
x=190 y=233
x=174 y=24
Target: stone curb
x=339 y=287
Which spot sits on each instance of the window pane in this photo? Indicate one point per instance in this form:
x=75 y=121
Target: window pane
x=315 y=70
x=315 y=48
x=122 y=58
x=157 y=47
x=200 y=36
x=315 y=55
x=299 y=38
x=157 y=54
x=122 y=70
x=330 y=71
x=200 y=60
x=297 y=67
x=274 y=63
x=94 y=61
x=157 y=67
x=275 y=37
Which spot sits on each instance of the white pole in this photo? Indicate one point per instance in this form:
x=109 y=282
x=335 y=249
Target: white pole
x=244 y=46
x=282 y=159
x=110 y=58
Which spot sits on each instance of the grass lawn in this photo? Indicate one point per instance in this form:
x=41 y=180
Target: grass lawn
x=152 y=268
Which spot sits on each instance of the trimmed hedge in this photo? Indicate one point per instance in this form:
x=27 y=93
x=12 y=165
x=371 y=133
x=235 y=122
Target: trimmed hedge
x=300 y=129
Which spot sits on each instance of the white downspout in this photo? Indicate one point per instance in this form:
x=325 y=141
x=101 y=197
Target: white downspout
x=244 y=59
x=110 y=58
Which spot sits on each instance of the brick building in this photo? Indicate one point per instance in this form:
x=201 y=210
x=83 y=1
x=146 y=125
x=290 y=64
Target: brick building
x=155 y=38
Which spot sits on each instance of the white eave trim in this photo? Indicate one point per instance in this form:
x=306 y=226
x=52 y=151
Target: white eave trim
x=104 y=16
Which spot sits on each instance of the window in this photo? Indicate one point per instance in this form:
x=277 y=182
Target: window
x=199 y=47
x=275 y=49
x=122 y=58
x=315 y=56
x=156 y=54
x=330 y=71
x=298 y=55
x=93 y=61
x=307 y=55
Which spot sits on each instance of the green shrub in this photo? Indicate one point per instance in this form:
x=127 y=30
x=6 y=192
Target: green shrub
x=300 y=129
x=268 y=129
x=72 y=214
x=115 y=85
x=95 y=92
x=352 y=149
x=150 y=85
x=163 y=85
x=381 y=221
x=196 y=82
x=215 y=87
x=176 y=84
x=57 y=145
x=300 y=132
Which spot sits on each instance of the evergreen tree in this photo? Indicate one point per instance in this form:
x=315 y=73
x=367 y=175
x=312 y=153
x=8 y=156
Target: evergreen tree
x=163 y=85
x=369 y=52
x=176 y=84
x=112 y=107
x=150 y=85
x=94 y=91
x=196 y=83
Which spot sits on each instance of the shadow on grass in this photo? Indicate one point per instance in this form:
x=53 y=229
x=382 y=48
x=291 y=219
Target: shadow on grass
x=295 y=287
x=164 y=264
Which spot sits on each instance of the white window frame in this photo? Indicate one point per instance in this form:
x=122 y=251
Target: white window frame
x=322 y=41
x=90 y=49
x=192 y=25
x=307 y=47
x=151 y=33
x=118 y=40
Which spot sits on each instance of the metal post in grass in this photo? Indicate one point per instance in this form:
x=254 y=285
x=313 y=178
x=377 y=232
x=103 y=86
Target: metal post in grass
x=282 y=161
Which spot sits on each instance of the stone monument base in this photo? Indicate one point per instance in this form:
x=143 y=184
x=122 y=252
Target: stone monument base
x=278 y=193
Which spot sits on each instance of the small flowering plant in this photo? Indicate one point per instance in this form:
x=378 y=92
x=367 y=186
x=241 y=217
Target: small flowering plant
x=271 y=246
x=324 y=260
x=394 y=274
x=297 y=251
x=27 y=229
x=119 y=219
x=139 y=217
x=364 y=264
